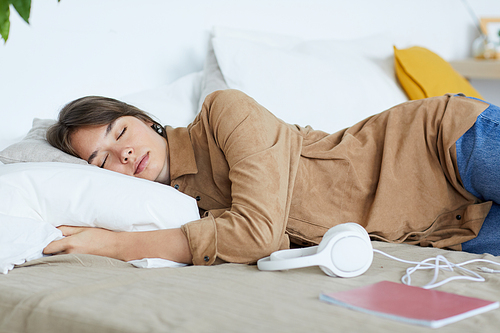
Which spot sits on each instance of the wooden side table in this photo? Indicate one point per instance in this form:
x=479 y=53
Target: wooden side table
x=477 y=68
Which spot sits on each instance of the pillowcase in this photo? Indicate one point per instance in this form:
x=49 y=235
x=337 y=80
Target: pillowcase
x=175 y=104
x=325 y=84
x=23 y=239
x=422 y=73
x=35 y=148
x=212 y=79
x=37 y=197
x=84 y=195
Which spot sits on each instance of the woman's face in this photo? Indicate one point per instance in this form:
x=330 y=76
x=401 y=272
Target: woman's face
x=128 y=145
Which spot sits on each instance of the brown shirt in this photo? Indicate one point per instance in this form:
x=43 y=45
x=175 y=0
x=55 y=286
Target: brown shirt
x=264 y=183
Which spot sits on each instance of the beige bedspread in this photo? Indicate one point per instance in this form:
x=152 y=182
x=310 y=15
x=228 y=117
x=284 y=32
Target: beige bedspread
x=83 y=293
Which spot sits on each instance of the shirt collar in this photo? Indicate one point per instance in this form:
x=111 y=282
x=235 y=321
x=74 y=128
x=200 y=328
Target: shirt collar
x=181 y=153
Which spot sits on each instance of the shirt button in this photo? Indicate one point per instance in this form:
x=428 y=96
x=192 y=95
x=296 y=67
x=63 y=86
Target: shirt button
x=176 y=186
x=198 y=198
x=459 y=217
x=206 y=258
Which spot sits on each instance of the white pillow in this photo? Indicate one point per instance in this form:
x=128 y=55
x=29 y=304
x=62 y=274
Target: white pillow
x=212 y=79
x=23 y=239
x=84 y=195
x=325 y=84
x=174 y=104
x=37 y=197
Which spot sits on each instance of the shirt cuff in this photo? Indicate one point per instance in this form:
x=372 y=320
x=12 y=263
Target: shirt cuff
x=202 y=238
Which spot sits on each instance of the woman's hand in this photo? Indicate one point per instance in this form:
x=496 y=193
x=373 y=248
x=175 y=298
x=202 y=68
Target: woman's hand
x=169 y=244
x=86 y=240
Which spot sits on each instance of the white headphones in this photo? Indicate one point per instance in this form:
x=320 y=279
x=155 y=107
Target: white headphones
x=344 y=251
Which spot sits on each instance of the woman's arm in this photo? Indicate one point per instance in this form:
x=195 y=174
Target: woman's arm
x=253 y=161
x=168 y=244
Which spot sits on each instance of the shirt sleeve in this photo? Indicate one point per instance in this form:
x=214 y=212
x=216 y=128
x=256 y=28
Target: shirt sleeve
x=262 y=155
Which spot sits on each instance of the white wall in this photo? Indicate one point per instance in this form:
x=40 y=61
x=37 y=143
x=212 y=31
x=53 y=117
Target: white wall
x=117 y=47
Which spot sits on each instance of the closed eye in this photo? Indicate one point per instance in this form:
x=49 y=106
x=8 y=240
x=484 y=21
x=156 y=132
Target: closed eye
x=103 y=162
x=121 y=133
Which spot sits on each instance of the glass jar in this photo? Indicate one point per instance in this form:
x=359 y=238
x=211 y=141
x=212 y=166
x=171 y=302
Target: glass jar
x=483 y=48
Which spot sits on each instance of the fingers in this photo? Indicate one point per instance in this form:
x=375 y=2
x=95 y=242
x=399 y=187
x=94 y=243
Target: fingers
x=62 y=246
x=86 y=240
x=58 y=246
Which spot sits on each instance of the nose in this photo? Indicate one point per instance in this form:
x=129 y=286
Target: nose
x=126 y=154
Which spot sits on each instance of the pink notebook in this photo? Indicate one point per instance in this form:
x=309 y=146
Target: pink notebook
x=410 y=304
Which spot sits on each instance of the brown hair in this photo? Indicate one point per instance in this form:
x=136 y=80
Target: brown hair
x=89 y=111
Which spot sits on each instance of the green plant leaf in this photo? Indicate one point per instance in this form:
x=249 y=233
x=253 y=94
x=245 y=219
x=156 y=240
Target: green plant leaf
x=23 y=7
x=4 y=19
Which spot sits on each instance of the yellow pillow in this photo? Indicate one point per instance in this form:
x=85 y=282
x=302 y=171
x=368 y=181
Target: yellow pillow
x=422 y=73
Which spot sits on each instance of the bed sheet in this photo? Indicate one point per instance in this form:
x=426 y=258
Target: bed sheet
x=84 y=293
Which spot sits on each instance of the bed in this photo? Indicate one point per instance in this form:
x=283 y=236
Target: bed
x=306 y=61
x=81 y=293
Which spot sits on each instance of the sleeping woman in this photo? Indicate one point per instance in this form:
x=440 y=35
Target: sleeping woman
x=419 y=173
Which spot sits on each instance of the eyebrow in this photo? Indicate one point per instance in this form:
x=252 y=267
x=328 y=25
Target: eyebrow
x=108 y=130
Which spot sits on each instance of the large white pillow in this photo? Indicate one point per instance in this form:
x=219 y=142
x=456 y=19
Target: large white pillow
x=174 y=104
x=23 y=239
x=37 y=197
x=212 y=78
x=84 y=195
x=326 y=84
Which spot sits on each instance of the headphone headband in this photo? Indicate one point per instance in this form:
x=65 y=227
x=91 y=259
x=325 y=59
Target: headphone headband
x=345 y=251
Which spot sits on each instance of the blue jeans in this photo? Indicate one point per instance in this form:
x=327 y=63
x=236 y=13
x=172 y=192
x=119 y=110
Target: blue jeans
x=478 y=159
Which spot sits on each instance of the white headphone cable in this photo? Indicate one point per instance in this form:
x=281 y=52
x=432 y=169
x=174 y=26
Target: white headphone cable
x=436 y=266
x=488 y=270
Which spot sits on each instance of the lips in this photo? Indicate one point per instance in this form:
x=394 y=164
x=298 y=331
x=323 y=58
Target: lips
x=142 y=164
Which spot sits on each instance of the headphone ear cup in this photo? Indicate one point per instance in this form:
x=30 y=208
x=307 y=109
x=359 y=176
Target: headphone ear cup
x=348 y=249
x=327 y=237
x=344 y=251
